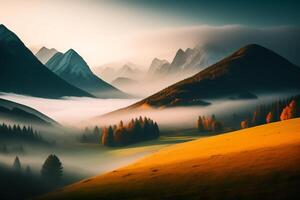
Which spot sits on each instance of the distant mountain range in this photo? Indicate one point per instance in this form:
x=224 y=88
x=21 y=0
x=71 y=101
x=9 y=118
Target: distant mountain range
x=128 y=70
x=123 y=81
x=19 y=114
x=23 y=73
x=71 y=67
x=251 y=70
x=187 y=62
x=161 y=73
x=44 y=54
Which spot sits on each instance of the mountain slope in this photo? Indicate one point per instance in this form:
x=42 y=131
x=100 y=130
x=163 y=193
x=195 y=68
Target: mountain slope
x=250 y=70
x=245 y=164
x=23 y=73
x=44 y=54
x=21 y=114
x=71 y=67
x=123 y=81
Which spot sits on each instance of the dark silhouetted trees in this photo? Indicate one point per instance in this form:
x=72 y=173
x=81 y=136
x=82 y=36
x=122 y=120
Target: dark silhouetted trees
x=89 y=136
x=136 y=130
x=15 y=132
x=17 y=164
x=52 y=169
x=279 y=110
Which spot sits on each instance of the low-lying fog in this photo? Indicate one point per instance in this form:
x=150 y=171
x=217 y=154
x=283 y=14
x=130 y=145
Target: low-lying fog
x=186 y=117
x=70 y=111
x=83 y=112
x=85 y=160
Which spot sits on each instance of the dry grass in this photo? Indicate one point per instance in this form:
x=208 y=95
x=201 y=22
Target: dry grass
x=255 y=163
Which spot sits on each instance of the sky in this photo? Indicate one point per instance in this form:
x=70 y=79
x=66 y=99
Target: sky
x=105 y=31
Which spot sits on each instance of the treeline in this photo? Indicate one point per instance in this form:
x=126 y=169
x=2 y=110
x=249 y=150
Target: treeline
x=136 y=130
x=91 y=136
x=16 y=132
x=20 y=182
x=277 y=111
x=209 y=124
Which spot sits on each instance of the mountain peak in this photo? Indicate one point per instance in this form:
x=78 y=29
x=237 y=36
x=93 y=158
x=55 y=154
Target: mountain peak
x=155 y=60
x=251 y=49
x=2 y=27
x=179 y=52
x=71 y=52
x=251 y=70
x=44 y=48
x=7 y=35
x=44 y=54
x=69 y=63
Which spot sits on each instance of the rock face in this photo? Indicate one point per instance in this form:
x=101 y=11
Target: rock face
x=251 y=70
x=23 y=73
x=44 y=54
x=71 y=67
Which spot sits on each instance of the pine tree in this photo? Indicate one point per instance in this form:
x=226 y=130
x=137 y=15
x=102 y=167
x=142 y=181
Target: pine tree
x=200 y=124
x=110 y=136
x=52 y=169
x=17 y=164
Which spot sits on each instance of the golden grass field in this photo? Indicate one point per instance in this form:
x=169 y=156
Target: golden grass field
x=255 y=163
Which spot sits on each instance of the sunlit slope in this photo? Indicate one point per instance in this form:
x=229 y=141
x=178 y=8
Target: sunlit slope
x=256 y=163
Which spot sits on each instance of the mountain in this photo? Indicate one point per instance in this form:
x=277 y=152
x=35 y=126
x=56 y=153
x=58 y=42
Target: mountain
x=44 y=54
x=188 y=62
x=23 y=73
x=123 y=81
x=111 y=72
x=262 y=162
x=250 y=70
x=71 y=67
x=157 y=66
x=129 y=70
x=19 y=114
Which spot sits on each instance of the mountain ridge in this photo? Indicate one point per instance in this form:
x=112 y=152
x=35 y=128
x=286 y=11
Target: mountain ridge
x=23 y=73
x=71 y=67
x=235 y=76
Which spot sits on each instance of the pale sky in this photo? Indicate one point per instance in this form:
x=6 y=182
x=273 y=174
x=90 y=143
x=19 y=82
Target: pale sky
x=100 y=31
x=104 y=31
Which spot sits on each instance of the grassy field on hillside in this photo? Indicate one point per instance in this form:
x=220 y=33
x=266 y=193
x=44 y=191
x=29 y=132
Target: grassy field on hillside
x=256 y=163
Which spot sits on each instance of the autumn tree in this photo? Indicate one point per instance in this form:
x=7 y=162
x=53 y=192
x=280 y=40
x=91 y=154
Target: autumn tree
x=244 y=124
x=136 y=130
x=289 y=111
x=209 y=124
x=270 y=118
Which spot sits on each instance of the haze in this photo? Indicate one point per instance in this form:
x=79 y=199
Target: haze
x=109 y=31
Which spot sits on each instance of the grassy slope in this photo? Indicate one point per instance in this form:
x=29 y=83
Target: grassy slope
x=260 y=162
